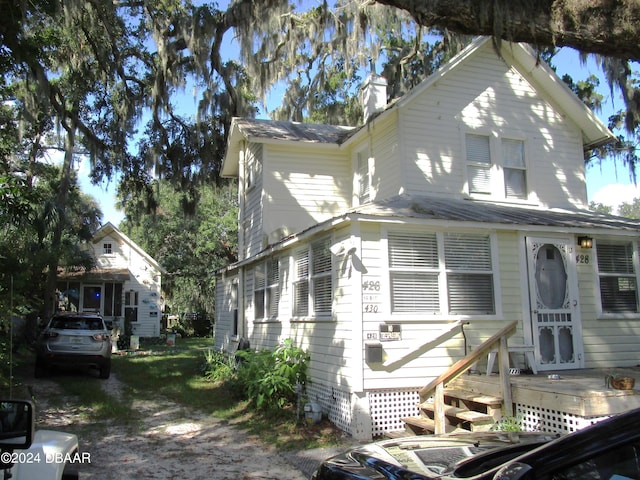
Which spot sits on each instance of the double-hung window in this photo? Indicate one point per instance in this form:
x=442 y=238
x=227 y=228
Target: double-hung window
x=363 y=178
x=618 y=277
x=500 y=174
x=313 y=284
x=441 y=273
x=266 y=292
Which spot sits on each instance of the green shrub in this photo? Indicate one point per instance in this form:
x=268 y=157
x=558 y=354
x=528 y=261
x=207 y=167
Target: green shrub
x=270 y=378
x=218 y=366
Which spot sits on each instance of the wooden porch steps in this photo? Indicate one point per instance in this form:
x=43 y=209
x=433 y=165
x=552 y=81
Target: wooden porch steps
x=464 y=410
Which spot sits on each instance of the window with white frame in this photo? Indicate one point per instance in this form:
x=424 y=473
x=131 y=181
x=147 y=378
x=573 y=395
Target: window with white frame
x=441 y=273
x=106 y=249
x=266 y=289
x=363 y=178
x=313 y=284
x=617 y=274
x=500 y=174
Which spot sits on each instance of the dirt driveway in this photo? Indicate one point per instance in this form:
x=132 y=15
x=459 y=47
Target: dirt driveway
x=171 y=443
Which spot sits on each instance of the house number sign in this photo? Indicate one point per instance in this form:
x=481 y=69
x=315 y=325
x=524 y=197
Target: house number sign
x=371 y=296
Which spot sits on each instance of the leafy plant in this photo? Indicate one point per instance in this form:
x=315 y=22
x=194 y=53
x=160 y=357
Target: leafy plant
x=218 y=366
x=270 y=378
x=509 y=424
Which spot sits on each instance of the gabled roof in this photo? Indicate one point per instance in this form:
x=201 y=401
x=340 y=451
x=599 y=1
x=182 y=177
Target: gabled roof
x=529 y=65
x=271 y=131
x=108 y=229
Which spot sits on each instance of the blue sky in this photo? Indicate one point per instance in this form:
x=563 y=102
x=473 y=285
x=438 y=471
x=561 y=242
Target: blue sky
x=607 y=183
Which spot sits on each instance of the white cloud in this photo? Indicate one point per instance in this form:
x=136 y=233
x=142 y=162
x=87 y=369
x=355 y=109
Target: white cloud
x=615 y=194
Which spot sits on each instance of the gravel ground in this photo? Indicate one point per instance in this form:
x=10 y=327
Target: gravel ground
x=170 y=443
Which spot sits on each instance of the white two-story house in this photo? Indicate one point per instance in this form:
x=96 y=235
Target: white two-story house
x=464 y=200
x=124 y=287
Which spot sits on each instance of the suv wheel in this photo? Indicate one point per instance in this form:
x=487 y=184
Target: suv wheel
x=40 y=369
x=105 y=370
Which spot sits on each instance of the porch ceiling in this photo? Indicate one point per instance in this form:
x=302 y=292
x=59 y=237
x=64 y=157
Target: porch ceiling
x=98 y=275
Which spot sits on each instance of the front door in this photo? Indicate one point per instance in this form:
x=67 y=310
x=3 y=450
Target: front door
x=91 y=298
x=555 y=316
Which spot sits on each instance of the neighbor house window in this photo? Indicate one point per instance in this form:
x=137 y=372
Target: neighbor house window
x=618 y=277
x=106 y=249
x=441 y=273
x=502 y=174
x=313 y=285
x=266 y=292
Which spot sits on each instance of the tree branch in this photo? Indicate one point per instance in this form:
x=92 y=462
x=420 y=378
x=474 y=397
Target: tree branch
x=592 y=26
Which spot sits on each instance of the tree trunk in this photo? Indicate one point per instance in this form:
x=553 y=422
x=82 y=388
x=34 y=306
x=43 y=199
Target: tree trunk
x=604 y=27
x=59 y=222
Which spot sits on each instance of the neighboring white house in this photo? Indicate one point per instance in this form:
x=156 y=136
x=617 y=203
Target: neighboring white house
x=126 y=283
x=463 y=200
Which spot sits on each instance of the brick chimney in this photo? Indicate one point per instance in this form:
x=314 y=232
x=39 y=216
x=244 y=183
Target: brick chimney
x=374 y=95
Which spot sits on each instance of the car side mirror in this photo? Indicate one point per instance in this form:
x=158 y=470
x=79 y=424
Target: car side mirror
x=17 y=419
x=513 y=471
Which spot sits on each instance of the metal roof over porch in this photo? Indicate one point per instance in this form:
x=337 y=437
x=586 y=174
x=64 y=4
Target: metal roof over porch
x=98 y=275
x=467 y=210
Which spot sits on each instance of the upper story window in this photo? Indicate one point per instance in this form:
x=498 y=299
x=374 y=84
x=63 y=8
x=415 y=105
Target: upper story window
x=106 y=249
x=266 y=289
x=618 y=276
x=496 y=168
x=362 y=182
x=441 y=273
x=313 y=284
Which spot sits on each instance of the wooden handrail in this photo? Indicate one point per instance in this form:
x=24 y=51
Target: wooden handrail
x=436 y=386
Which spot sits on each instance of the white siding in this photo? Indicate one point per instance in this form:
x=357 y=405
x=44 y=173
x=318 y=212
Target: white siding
x=304 y=186
x=484 y=94
x=144 y=278
x=252 y=213
x=226 y=304
x=382 y=145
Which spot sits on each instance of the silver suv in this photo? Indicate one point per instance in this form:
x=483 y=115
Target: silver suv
x=74 y=339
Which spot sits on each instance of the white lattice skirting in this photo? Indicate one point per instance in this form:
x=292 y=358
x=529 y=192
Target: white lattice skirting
x=387 y=407
x=547 y=420
x=335 y=403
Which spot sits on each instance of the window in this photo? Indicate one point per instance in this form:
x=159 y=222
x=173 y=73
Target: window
x=266 y=292
x=617 y=275
x=479 y=163
x=489 y=173
x=106 y=249
x=441 y=273
x=515 y=174
x=313 y=284
x=363 y=179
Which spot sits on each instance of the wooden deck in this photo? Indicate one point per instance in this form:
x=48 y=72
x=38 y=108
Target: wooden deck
x=583 y=393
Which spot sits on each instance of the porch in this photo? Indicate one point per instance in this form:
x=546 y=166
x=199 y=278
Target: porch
x=555 y=402
x=560 y=401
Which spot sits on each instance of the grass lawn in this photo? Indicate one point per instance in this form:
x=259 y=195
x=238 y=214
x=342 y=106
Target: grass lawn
x=176 y=372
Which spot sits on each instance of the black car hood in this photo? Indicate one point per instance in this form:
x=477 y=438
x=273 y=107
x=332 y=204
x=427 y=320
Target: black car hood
x=430 y=456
